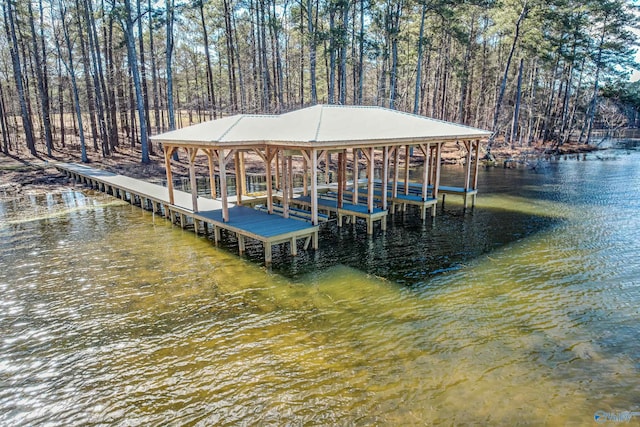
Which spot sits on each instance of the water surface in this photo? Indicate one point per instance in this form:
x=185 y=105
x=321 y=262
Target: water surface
x=524 y=310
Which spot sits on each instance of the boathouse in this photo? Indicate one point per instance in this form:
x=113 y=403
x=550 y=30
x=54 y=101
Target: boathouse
x=383 y=140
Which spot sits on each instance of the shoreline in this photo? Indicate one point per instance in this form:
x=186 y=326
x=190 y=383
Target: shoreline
x=35 y=175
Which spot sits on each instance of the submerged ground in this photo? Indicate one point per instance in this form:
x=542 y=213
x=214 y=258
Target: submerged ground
x=522 y=311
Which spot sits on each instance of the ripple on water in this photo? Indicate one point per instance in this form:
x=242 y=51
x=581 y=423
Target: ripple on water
x=112 y=316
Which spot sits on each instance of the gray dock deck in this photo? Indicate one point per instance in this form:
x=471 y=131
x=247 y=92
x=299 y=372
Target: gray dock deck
x=243 y=221
x=348 y=210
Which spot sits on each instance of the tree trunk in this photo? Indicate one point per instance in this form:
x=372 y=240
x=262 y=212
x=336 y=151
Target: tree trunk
x=516 y=110
x=343 y=53
x=361 y=56
x=503 y=85
x=416 y=96
x=9 y=20
x=154 y=72
x=395 y=30
x=97 y=75
x=210 y=88
x=231 y=58
x=110 y=94
x=133 y=65
x=74 y=84
x=466 y=71
x=332 y=53
x=278 y=60
x=596 y=82
x=312 y=53
x=169 y=27
x=42 y=91
x=143 y=68
x=4 y=126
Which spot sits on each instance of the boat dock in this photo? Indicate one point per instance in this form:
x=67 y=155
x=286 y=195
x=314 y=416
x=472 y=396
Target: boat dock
x=245 y=222
x=376 y=141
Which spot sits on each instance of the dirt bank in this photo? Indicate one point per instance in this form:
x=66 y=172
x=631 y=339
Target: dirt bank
x=28 y=174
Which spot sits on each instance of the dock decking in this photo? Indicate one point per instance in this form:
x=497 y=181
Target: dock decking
x=416 y=189
x=243 y=221
x=348 y=210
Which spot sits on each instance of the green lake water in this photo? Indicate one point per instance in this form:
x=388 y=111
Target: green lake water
x=524 y=310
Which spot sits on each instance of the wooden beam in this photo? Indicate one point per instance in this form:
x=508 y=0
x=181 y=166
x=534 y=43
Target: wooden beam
x=314 y=188
x=327 y=160
x=341 y=180
x=223 y=185
x=168 y=150
x=356 y=173
x=290 y=172
x=268 y=159
x=192 y=152
x=238 y=172
x=467 y=166
x=277 y=174
x=436 y=183
x=305 y=176
x=243 y=174
x=262 y=155
x=365 y=153
x=285 y=187
x=396 y=160
x=425 y=172
x=406 y=169
x=385 y=177
x=370 y=180
x=476 y=166
x=432 y=176
x=212 y=177
x=305 y=165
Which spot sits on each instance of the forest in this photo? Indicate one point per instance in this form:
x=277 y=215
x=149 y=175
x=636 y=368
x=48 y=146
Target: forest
x=102 y=75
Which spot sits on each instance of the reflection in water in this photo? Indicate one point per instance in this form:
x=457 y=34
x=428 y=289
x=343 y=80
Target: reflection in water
x=523 y=310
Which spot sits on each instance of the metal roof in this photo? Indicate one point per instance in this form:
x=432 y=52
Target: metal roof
x=321 y=126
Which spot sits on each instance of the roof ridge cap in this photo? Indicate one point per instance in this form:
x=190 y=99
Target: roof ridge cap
x=319 y=123
x=240 y=117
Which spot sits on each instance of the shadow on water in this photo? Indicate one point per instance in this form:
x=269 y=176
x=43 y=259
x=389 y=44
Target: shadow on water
x=410 y=252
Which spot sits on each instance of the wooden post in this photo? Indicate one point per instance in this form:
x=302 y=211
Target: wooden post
x=432 y=178
x=243 y=174
x=277 y=155
x=167 y=164
x=191 y=155
x=356 y=172
x=222 y=165
x=385 y=177
x=314 y=188
x=340 y=181
x=396 y=156
x=290 y=172
x=238 y=173
x=371 y=171
x=267 y=253
x=436 y=183
x=285 y=187
x=475 y=172
x=305 y=177
x=212 y=177
x=327 y=160
x=406 y=170
x=241 y=244
x=467 y=167
x=269 y=158
x=425 y=171
x=476 y=166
